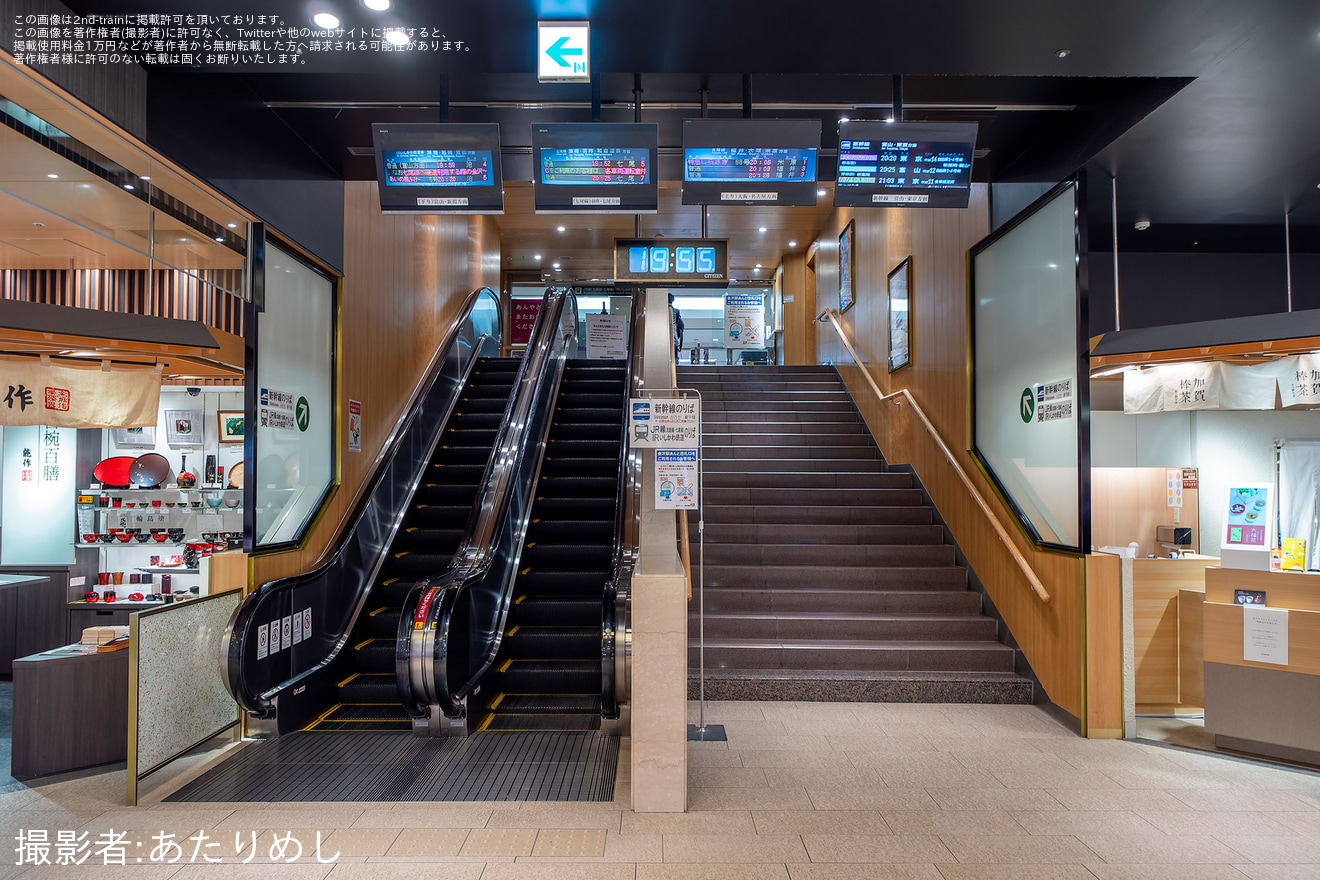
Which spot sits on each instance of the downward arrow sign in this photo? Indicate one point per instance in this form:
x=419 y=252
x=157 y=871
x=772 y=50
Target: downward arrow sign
x=557 y=51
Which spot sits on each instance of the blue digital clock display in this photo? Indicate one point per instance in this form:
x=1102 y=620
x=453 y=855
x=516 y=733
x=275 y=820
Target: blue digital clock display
x=656 y=260
x=681 y=261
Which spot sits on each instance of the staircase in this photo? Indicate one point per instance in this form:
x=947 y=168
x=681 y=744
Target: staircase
x=827 y=576
x=433 y=523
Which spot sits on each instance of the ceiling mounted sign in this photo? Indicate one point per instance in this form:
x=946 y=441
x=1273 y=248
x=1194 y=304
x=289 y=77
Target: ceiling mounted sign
x=563 y=51
x=40 y=393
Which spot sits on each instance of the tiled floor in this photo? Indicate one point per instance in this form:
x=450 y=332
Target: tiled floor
x=801 y=791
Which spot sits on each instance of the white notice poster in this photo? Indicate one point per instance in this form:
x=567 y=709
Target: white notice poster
x=1265 y=634
x=676 y=479
x=744 y=320
x=607 y=336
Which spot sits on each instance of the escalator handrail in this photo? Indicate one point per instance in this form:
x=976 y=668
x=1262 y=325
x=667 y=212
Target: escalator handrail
x=421 y=662
x=627 y=531
x=461 y=348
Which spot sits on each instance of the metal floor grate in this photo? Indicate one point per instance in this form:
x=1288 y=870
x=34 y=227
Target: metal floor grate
x=394 y=767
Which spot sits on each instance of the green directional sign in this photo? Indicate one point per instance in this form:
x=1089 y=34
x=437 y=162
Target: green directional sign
x=302 y=414
x=1027 y=405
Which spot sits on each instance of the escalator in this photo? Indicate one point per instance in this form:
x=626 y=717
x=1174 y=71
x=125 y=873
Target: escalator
x=549 y=671
x=367 y=697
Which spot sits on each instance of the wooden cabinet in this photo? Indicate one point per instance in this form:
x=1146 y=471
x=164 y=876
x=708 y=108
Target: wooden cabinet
x=31 y=618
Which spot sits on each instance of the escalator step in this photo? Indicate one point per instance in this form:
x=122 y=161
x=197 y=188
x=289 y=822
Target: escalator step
x=445 y=472
x=529 y=704
x=575 y=384
x=499 y=721
x=574 y=508
x=598 y=531
x=559 y=643
x=440 y=493
x=440 y=516
x=392 y=592
x=373 y=688
x=551 y=677
x=579 y=487
x=564 y=583
x=561 y=556
x=366 y=717
x=420 y=565
x=484 y=404
x=606 y=447
x=605 y=415
x=609 y=431
x=486 y=390
x=383 y=623
x=423 y=540
x=472 y=421
x=482 y=437
x=572 y=399
x=374 y=655
x=567 y=466
x=464 y=454
x=556 y=611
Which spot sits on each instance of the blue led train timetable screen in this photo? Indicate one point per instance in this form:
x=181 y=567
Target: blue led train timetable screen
x=748 y=164
x=916 y=164
x=571 y=166
x=437 y=167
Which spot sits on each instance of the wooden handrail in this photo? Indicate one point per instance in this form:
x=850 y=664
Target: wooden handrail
x=902 y=394
x=684 y=541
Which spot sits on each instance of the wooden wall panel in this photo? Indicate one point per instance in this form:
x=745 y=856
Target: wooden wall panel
x=800 y=312
x=1128 y=503
x=1156 y=584
x=1050 y=634
x=1104 y=646
x=404 y=280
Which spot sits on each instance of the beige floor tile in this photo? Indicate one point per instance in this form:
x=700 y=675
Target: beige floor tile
x=953 y=822
x=1164 y=872
x=748 y=799
x=869 y=798
x=814 y=713
x=706 y=849
x=763 y=742
x=950 y=775
x=1217 y=823
x=712 y=872
x=721 y=758
x=989 y=759
x=1274 y=849
x=534 y=869
x=1280 y=872
x=849 y=777
x=985 y=849
x=992 y=799
x=426 y=816
x=1301 y=822
x=820 y=822
x=1166 y=778
x=941 y=730
x=1154 y=849
x=320 y=816
x=1050 y=822
x=726 y=777
x=1025 y=777
x=1135 y=799
x=915 y=714
x=874 y=848
x=251 y=872
x=737 y=729
x=705 y=822
x=850 y=728
x=361 y=841
x=499 y=842
x=892 y=745
x=181 y=817
x=795 y=760
x=1015 y=872
x=721 y=711
x=274 y=841
x=864 y=872
x=413 y=871
x=430 y=842
x=996 y=745
x=639 y=848
x=1241 y=799
x=555 y=816
x=569 y=843
x=87 y=871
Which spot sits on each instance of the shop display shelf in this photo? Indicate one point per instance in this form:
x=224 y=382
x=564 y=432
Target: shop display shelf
x=167 y=569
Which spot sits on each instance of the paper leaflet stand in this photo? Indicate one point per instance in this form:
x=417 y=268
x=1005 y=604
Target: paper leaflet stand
x=1248 y=531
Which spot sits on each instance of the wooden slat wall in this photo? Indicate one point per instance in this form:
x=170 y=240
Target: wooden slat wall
x=1156 y=587
x=404 y=280
x=800 y=313
x=1050 y=634
x=1104 y=646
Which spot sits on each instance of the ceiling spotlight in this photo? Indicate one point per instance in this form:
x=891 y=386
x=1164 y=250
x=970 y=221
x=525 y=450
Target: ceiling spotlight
x=758 y=265
x=53 y=176
x=376 y=5
x=325 y=21
x=560 y=228
x=536 y=256
x=1141 y=225
x=397 y=37
x=820 y=193
x=792 y=244
x=233 y=225
x=844 y=119
x=144 y=177
x=220 y=238
x=889 y=119
x=762 y=229
x=555 y=265
x=128 y=186
x=1063 y=53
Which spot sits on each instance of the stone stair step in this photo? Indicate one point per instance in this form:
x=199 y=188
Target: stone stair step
x=846 y=625
x=718 y=451
x=870 y=686
x=737 y=466
x=925 y=655
x=792 y=497
x=753 y=601
x=841 y=479
x=830 y=554
x=835 y=577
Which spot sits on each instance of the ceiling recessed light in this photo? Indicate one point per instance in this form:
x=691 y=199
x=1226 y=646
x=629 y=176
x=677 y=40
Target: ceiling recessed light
x=325 y=21
x=844 y=119
x=233 y=225
x=185 y=238
x=820 y=193
x=560 y=228
x=758 y=265
x=53 y=176
x=889 y=119
x=39 y=225
x=376 y=5
x=762 y=229
x=397 y=37
x=128 y=186
x=555 y=265
x=220 y=238
x=536 y=256
x=144 y=177
x=1141 y=225
x=1063 y=53
x=792 y=244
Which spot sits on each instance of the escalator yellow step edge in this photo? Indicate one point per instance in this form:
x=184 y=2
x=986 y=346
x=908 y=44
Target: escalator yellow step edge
x=379 y=610
x=322 y=716
x=507 y=664
x=347 y=680
x=364 y=644
x=388 y=582
x=514 y=630
x=498 y=700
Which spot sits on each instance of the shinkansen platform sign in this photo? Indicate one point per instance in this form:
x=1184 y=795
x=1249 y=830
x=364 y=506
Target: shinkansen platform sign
x=665 y=423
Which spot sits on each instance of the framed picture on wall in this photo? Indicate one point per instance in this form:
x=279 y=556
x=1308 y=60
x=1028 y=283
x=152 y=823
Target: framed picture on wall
x=900 y=325
x=183 y=427
x=847 y=269
x=231 y=425
x=136 y=436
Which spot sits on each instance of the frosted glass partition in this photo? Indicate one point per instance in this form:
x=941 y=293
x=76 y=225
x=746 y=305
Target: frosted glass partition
x=1030 y=386
x=294 y=453
x=37 y=505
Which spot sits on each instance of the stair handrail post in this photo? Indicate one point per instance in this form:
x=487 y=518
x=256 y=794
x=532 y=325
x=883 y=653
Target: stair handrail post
x=903 y=395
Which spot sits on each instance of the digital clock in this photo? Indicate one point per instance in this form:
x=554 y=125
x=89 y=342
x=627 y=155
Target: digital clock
x=672 y=261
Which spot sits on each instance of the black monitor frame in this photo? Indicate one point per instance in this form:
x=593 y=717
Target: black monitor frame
x=864 y=195
x=604 y=198
x=468 y=199
x=793 y=134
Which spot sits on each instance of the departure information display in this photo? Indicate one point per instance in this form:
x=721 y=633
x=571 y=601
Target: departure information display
x=671 y=260
x=595 y=165
x=920 y=164
x=748 y=164
x=438 y=167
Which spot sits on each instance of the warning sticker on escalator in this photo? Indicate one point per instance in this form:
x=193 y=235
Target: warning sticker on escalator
x=263 y=642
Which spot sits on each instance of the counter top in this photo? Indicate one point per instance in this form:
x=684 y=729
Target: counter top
x=11 y=580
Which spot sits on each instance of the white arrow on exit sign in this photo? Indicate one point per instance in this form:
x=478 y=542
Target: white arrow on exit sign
x=563 y=51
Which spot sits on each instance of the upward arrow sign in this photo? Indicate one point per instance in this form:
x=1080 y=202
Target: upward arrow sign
x=557 y=51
